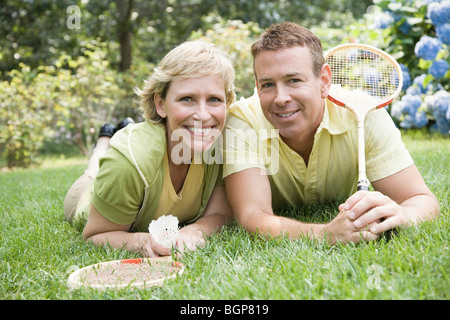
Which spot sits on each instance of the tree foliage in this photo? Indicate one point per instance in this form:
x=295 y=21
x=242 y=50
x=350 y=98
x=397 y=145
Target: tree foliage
x=68 y=66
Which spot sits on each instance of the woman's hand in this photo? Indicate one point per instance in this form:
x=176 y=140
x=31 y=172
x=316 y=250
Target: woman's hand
x=101 y=231
x=190 y=238
x=149 y=248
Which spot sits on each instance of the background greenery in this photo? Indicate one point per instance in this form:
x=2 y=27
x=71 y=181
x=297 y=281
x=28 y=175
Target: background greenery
x=68 y=66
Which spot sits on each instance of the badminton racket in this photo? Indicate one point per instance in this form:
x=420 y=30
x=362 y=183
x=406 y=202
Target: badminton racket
x=126 y=273
x=363 y=79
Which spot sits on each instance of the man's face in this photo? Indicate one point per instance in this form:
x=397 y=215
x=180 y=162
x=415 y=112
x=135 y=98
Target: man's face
x=291 y=95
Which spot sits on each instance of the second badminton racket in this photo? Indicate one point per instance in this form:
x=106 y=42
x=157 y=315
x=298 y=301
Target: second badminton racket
x=363 y=79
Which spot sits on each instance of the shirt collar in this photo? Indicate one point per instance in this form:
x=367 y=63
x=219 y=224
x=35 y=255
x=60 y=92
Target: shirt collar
x=333 y=119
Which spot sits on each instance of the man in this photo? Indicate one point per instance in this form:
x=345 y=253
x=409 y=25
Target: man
x=289 y=145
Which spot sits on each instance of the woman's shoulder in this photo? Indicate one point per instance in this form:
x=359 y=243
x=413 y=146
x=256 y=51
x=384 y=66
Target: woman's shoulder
x=143 y=145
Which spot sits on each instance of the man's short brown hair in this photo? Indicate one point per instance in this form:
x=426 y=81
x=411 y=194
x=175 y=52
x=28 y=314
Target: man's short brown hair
x=286 y=35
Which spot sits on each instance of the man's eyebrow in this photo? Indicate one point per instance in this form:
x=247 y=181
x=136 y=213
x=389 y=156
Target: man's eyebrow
x=294 y=74
x=287 y=75
x=264 y=79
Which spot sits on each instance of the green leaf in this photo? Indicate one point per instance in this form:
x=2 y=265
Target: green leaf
x=427 y=80
x=414 y=21
x=408 y=10
x=394 y=6
x=424 y=64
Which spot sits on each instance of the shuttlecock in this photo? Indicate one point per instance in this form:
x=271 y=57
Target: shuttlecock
x=164 y=230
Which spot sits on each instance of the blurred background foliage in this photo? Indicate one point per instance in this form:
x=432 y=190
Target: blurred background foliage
x=68 y=66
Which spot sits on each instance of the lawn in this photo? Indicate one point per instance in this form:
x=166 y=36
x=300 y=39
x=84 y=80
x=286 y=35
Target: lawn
x=39 y=249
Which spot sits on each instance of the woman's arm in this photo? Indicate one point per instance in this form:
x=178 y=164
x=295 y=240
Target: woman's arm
x=218 y=213
x=101 y=231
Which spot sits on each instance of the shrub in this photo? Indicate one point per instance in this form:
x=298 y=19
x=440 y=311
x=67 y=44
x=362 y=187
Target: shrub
x=63 y=103
x=418 y=35
x=23 y=120
x=235 y=38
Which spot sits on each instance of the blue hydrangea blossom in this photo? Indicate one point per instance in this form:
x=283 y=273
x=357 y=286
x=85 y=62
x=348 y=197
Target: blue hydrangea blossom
x=439 y=13
x=438 y=68
x=443 y=33
x=427 y=48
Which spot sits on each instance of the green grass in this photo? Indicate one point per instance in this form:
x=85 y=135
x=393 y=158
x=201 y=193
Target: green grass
x=39 y=249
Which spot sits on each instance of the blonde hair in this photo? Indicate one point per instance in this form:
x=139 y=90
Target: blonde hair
x=190 y=59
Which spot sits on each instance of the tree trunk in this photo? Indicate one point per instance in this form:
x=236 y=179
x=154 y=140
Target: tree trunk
x=124 y=32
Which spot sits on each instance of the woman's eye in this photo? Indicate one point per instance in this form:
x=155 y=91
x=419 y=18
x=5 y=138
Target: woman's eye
x=215 y=100
x=186 y=99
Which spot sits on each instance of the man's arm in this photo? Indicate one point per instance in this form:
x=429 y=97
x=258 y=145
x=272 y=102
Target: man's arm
x=403 y=199
x=250 y=197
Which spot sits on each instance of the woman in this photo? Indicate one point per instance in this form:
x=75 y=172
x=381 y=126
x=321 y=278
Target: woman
x=148 y=168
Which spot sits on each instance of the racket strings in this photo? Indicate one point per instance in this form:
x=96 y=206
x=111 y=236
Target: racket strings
x=363 y=70
x=128 y=272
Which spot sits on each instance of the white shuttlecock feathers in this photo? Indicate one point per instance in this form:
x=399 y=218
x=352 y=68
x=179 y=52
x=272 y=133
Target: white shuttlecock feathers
x=165 y=230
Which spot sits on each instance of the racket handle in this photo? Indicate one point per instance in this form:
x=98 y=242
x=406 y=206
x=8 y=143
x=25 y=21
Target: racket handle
x=363 y=185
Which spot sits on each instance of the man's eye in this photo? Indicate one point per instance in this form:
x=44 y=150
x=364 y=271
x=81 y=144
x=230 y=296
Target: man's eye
x=267 y=85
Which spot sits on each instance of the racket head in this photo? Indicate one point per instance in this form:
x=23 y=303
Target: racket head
x=364 y=69
x=126 y=273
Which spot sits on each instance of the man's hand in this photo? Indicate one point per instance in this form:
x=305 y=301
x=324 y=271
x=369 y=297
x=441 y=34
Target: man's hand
x=401 y=200
x=366 y=208
x=342 y=229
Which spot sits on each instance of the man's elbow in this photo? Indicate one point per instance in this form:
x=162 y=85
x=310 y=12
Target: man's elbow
x=254 y=221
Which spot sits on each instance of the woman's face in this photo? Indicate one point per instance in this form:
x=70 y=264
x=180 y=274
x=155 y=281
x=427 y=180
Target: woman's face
x=194 y=110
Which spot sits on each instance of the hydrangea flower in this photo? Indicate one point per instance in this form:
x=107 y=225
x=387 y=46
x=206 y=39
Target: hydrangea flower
x=414 y=90
x=422 y=103
x=382 y=20
x=406 y=76
x=441 y=125
x=443 y=33
x=439 y=104
x=405 y=27
x=419 y=82
x=397 y=109
x=411 y=104
x=407 y=122
x=407 y=112
x=372 y=76
x=421 y=119
x=439 y=13
x=427 y=47
x=438 y=68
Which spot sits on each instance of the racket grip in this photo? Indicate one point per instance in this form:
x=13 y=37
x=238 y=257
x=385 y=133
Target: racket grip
x=363 y=185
